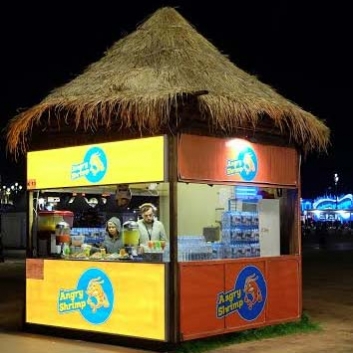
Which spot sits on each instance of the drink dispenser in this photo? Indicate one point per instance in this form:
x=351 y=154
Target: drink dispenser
x=47 y=221
x=62 y=233
x=46 y=228
x=131 y=235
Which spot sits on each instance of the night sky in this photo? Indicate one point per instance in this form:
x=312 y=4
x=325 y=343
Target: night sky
x=302 y=50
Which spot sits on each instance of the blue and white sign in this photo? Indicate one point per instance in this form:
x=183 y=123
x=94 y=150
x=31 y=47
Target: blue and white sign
x=93 y=167
x=245 y=164
x=248 y=297
x=93 y=297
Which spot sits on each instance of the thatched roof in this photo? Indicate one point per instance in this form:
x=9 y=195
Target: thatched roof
x=148 y=80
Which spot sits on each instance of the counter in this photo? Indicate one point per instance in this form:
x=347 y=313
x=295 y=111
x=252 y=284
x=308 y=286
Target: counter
x=123 y=298
x=222 y=296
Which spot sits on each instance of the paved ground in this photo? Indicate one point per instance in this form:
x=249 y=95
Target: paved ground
x=327 y=298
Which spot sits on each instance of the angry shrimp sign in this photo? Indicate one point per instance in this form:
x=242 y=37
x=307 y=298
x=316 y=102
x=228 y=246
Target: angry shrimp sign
x=93 y=297
x=247 y=297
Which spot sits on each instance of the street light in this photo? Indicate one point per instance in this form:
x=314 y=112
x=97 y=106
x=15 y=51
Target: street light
x=336 y=178
x=5 y=195
x=9 y=193
x=16 y=188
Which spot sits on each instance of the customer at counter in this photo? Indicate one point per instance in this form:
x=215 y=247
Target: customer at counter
x=149 y=227
x=113 y=241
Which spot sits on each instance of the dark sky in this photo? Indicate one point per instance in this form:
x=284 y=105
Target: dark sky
x=302 y=50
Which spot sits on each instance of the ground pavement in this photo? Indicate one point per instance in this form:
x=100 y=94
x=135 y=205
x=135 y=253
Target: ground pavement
x=327 y=299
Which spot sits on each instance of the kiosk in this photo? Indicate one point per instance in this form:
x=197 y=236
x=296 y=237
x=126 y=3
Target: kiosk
x=248 y=276
x=223 y=153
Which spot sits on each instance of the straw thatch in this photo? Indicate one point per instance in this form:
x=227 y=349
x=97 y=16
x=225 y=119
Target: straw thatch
x=164 y=77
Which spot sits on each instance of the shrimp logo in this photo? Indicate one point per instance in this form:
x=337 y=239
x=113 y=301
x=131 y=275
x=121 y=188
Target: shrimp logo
x=247 y=297
x=245 y=164
x=248 y=163
x=93 y=297
x=93 y=167
x=252 y=291
x=96 y=295
x=95 y=163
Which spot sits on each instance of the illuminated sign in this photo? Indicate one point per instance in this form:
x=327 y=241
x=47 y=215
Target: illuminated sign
x=229 y=160
x=53 y=199
x=93 y=167
x=248 y=296
x=93 y=297
x=97 y=296
x=120 y=162
x=244 y=163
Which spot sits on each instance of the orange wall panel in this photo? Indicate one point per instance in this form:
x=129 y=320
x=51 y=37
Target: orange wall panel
x=284 y=289
x=232 y=295
x=225 y=160
x=199 y=286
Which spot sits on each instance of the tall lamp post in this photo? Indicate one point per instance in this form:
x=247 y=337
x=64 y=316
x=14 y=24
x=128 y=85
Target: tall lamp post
x=8 y=194
x=16 y=188
x=336 y=178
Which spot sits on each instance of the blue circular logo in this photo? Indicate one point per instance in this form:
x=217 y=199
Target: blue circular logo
x=249 y=164
x=98 y=296
x=96 y=162
x=254 y=292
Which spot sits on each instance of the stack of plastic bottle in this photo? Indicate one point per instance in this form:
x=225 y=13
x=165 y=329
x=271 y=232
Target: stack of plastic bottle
x=193 y=248
x=240 y=234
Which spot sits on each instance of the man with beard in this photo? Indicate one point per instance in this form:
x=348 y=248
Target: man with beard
x=149 y=227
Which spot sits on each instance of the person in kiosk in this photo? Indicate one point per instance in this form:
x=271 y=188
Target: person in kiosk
x=149 y=227
x=113 y=241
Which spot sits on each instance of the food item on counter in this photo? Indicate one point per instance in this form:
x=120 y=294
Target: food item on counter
x=86 y=248
x=79 y=255
x=123 y=254
x=112 y=256
x=97 y=255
